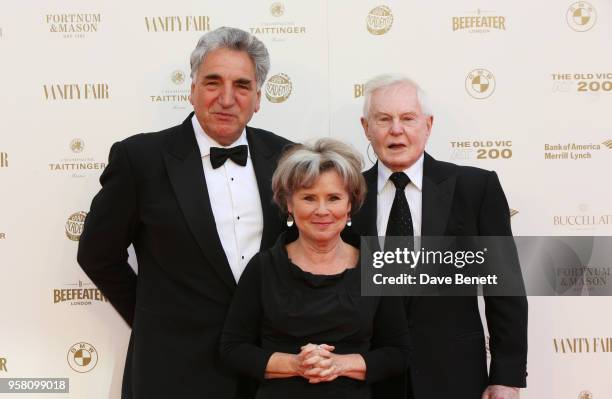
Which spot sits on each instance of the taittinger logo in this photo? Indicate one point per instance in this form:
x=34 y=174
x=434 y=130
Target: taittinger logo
x=187 y=23
x=480 y=83
x=379 y=20
x=278 y=88
x=581 y=16
x=82 y=357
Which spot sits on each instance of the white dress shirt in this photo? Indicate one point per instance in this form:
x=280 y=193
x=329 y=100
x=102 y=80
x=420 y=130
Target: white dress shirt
x=235 y=202
x=386 y=193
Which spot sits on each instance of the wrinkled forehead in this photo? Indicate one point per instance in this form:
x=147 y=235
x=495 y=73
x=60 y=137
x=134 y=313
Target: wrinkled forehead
x=397 y=98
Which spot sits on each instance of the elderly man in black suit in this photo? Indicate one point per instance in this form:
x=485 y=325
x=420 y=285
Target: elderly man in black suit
x=410 y=193
x=195 y=200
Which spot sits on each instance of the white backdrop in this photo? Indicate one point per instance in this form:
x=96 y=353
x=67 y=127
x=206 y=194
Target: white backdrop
x=78 y=75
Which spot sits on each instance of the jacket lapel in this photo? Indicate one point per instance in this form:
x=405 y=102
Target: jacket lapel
x=438 y=189
x=184 y=166
x=262 y=157
x=364 y=222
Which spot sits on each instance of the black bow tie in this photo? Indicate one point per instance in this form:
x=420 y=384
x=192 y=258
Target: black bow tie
x=238 y=154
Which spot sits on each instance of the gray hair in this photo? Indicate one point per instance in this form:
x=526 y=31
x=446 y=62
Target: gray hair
x=302 y=164
x=393 y=79
x=233 y=39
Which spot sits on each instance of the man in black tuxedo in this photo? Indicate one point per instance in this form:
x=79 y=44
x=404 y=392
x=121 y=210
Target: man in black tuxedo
x=195 y=200
x=410 y=193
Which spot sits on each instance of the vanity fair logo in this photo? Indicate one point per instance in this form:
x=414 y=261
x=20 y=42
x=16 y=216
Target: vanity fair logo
x=77 y=167
x=480 y=83
x=78 y=294
x=278 y=88
x=581 y=16
x=73 y=25
x=74 y=225
x=174 y=23
x=174 y=91
x=75 y=91
x=82 y=357
x=280 y=27
x=580 y=345
x=379 y=20
x=497 y=149
x=479 y=21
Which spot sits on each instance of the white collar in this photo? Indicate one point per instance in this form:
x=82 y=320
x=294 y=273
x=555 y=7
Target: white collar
x=205 y=141
x=414 y=172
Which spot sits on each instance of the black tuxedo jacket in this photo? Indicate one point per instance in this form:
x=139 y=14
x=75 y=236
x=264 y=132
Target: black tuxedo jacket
x=154 y=196
x=449 y=354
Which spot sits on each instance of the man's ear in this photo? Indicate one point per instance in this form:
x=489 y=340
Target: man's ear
x=364 y=124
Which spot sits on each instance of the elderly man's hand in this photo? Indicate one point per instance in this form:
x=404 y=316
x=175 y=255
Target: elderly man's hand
x=500 y=392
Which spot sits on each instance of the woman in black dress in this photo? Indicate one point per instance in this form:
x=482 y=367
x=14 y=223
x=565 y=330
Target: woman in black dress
x=298 y=322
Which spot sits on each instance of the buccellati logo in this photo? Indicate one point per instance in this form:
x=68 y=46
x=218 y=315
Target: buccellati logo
x=581 y=16
x=277 y=9
x=77 y=145
x=74 y=225
x=585 y=395
x=379 y=20
x=82 y=357
x=480 y=83
x=278 y=88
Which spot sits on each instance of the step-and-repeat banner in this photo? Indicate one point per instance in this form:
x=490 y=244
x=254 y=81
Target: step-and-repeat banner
x=524 y=89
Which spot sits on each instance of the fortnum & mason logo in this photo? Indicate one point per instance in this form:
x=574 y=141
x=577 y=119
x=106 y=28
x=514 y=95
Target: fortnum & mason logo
x=188 y=23
x=73 y=26
x=479 y=22
x=82 y=357
x=480 y=83
x=74 y=225
x=278 y=88
x=581 y=16
x=379 y=20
